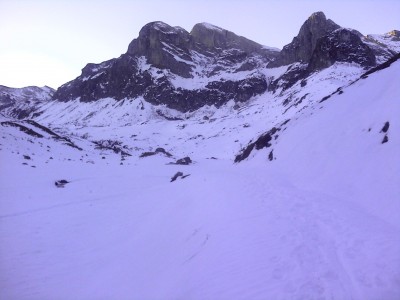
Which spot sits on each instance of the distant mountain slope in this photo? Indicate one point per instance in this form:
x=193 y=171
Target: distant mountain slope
x=20 y=103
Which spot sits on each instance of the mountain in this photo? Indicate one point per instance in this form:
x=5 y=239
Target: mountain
x=185 y=71
x=287 y=190
x=321 y=42
x=384 y=46
x=210 y=66
x=20 y=103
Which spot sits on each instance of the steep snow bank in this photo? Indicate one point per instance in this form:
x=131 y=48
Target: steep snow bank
x=343 y=150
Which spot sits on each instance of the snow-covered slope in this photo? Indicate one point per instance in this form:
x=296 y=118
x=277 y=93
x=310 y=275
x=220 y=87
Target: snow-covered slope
x=348 y=145
x=319 y=220
x=385 y=45
x=192 y=168
x=208 y=132
x=21 y=103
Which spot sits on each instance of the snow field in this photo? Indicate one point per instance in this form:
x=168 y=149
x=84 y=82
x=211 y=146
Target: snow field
x=223 y=232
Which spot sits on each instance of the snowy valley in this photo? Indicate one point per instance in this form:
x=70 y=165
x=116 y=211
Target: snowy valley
x=203 y=165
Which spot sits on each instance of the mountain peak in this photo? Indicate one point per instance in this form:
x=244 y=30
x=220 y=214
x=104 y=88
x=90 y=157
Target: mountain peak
x=151 y=43
x=319 y=15
x=394 y=33
x=303 y=45
x=162 y=27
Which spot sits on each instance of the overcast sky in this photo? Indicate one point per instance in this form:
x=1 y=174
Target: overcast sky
x=48 y=42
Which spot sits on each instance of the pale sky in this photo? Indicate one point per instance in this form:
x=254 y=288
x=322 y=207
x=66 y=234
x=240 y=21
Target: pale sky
x=48 y=42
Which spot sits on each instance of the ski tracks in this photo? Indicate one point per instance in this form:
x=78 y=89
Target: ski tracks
x=327 y=248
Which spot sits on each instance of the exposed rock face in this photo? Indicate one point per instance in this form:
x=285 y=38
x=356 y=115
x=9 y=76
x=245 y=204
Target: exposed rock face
x=164 y=56
x=321 y=43
x=160 y=44
x=394 y=34
x=213 y=38
x=303 y=45
x=341 y=45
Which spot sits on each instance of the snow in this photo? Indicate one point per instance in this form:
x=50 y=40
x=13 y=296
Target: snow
x=172 y=51
x=142 y=64
x=320 y=221
x=201 y=82
x=212 y=27
x=375 y=102
x=165 y=28
x=386 y=39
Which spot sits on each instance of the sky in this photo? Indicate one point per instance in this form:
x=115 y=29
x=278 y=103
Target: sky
x=48 y=42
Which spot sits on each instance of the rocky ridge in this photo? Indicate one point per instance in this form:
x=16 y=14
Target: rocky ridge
x=163 y=57
x=211 y=66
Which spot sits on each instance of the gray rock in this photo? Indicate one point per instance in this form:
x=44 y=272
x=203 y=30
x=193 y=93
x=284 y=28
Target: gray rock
x=214 y=38
x=176 y=176
x=341 y=45
x=303 y=45
x=61 y=183
x=184 y=161
x=152 y=42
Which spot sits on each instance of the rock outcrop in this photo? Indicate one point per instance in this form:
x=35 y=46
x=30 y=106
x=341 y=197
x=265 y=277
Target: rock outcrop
x=321 y=43
x=165 y=47
x=341 y=45
x=303 y=45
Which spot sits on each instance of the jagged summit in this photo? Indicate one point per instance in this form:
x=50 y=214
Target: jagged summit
x=154 y=37
x=321 y=42
x=318 y=17
x=303 y=45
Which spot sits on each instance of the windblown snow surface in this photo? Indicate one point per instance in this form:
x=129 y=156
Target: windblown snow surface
x=319 y=221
